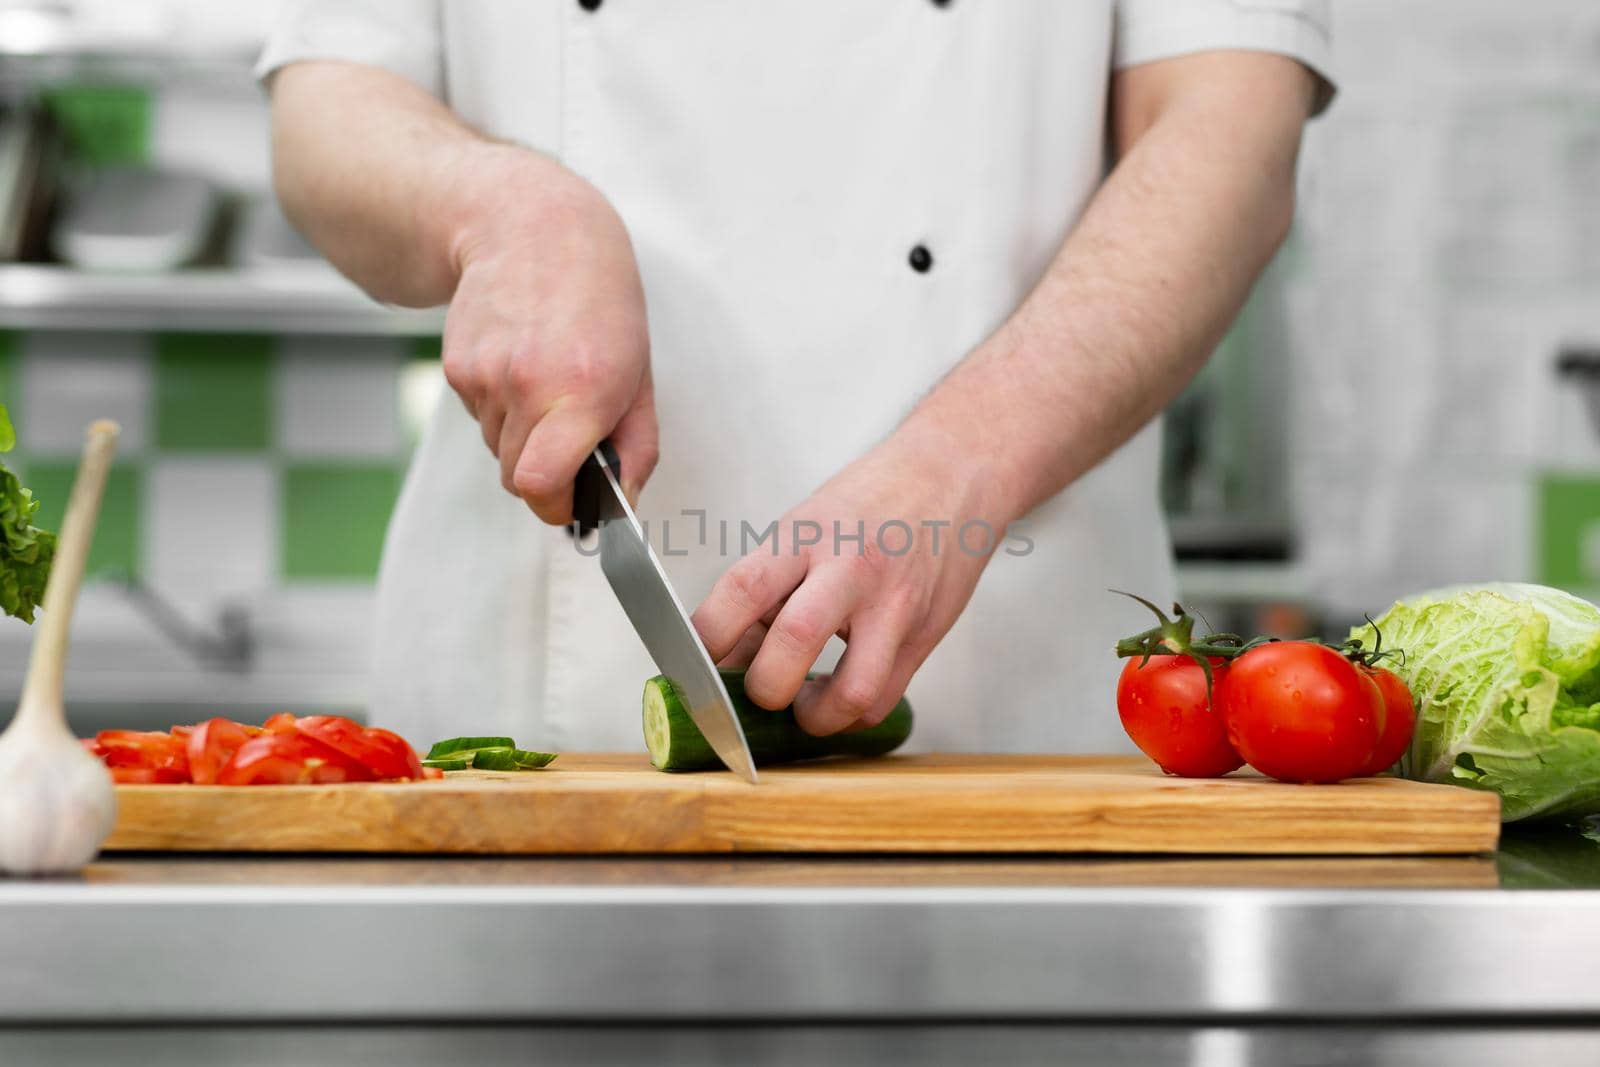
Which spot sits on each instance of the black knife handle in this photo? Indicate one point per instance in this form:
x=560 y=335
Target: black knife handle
x=590 y=488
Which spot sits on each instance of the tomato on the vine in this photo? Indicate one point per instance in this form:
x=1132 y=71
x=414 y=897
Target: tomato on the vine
x=1399 y=720
x=1164 y=705
x=1300 y=711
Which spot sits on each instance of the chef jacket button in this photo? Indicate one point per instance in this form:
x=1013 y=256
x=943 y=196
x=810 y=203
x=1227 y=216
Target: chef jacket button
x=589 y=5
x=921 y=259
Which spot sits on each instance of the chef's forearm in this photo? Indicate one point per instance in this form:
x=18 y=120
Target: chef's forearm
x=391 y=185
x=1142 y=290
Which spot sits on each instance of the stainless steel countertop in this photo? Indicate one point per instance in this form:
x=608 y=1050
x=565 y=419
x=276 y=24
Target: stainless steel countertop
x=1500 y=937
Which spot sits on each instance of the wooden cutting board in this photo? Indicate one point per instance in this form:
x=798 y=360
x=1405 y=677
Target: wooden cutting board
x=933 y=803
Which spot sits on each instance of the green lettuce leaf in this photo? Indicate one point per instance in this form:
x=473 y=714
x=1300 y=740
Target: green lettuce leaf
x=1507 y=683
x=25 y=550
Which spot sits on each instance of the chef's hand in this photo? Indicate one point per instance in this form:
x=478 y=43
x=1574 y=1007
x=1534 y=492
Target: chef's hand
x=775 y=610
x=545 y=340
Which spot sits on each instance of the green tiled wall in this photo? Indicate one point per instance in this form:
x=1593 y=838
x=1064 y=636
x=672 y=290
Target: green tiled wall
x=213 y=392
x=116 y=538
x=104 y=124
x=334 y=517
x=212 y=411
x=1569 y=520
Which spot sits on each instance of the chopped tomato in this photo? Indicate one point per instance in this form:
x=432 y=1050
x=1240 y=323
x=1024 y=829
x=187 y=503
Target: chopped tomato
x=147 y=776
x=132 y=775
x=284 y=750
x=281 y=723
x=142 y=748
x=288 y=759
x=383 y=752
x=432 y=773
x=211 y=745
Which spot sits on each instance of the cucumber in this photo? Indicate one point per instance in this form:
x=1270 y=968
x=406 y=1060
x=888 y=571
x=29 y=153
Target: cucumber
x=463 y=747
x=494 y=759
x=484 y=754
x=676 y=744
x=509 y=759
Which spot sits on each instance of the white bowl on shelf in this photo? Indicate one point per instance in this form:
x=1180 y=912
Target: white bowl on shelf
x=135 y=219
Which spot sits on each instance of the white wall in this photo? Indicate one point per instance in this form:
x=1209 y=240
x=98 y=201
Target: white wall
x=1449 y=244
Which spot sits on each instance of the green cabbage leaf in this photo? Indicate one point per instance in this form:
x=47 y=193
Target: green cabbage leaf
x=1506 y=678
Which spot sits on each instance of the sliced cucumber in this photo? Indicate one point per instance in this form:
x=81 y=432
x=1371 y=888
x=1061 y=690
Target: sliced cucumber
x=484 y=754
x=494 y=759
x=676 y=744
x=463 y=747
x=509 y=759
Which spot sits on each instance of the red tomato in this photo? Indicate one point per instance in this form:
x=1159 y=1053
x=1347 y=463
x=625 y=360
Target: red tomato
x=288 y=759
x=285 y=750
x=1164 y=708
x=1399 y=720
x=1300 y=712
x=385 y=753
x=211 y=745
x=399 y=749
x=141 y=748
x=147 y=776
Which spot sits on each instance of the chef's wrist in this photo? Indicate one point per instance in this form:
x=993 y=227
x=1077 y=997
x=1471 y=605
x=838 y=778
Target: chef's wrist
x=990 y=410
x=498 y=192
x=975 y=477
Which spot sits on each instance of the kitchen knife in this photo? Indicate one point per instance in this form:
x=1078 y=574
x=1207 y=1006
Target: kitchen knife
x=635 y=574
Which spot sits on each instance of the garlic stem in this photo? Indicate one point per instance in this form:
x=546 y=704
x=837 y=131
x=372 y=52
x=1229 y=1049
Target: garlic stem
x=43 y=691
x=56 y=800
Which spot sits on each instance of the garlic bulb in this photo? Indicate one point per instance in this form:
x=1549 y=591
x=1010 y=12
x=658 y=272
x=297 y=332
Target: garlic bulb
x=56 y=800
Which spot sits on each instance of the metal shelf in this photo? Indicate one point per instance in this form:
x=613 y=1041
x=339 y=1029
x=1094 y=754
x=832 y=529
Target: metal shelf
x=1244 y=583
x=46 y=41
x=42 y=297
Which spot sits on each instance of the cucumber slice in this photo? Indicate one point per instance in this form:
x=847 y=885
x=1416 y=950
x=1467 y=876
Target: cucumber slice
x=494 y=759
x=502 y=758
x=469 y=754
x=463 y=747
x=485 y=754
x=676 y=744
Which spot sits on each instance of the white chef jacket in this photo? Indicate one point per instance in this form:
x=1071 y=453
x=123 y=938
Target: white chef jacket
x=776 y=163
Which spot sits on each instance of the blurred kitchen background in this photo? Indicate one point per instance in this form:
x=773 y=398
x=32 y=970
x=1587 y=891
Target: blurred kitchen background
x=1412 y=397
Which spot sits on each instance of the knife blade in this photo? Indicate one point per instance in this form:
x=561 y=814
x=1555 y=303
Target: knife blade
x=648 y=599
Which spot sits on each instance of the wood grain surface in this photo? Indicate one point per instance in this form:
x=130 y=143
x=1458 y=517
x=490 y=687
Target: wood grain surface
x=778 y=871
x=900 y=804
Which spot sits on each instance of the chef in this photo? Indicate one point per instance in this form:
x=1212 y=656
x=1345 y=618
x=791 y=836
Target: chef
x=876 y=299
